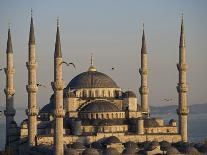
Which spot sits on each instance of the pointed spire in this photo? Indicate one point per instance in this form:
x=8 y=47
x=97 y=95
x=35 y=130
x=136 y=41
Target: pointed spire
x=9 y=42
x=91 y=59
x=58 y=52
x=31 y=33
x=144 y=48
x=182 y=34
x=92 y=68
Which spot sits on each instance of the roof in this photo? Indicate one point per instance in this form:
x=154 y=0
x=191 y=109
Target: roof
x=111 y=139
x=90 y=151
x=71 y=151
x=100 y=106
x=91 y=79
x=111 y=151
x=150 y=122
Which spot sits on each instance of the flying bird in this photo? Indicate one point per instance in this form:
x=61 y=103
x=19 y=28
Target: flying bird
x=68 y=64
x=41 y=85
x=1 y=69
x=167 y=99
x=113 y=68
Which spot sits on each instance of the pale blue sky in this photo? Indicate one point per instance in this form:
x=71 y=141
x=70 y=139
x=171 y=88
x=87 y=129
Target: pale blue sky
x=111 y=29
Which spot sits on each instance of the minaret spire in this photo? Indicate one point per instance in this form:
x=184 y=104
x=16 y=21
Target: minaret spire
x=31 y=33
x=144 y=76
x=182 y=110
x=32 y=88
x=58 y=86
x=58 y=52
x=9 y=92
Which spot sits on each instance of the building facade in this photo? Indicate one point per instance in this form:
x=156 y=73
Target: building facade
x=92 y=108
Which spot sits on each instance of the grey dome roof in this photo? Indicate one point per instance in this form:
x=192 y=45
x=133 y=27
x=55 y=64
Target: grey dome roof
x=111 y=140
x=78 y=145
x=130 y=151
x=71 y=151
x=172 y=151
x=90 y=151
x=100 y=106
x=110 y=151
x=91 y=79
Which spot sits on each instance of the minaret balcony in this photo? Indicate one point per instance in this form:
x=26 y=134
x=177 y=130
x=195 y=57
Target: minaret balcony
x=143 y=90
x=184 y=111
x=59 y=113
x=143 y=71
x=57 y=85
x=9 y=112
x=31 y=88
x=9 y=91
x=182 y=67
x=9 y=70
x=182 y=88
x=31 y=65
x=31 y=112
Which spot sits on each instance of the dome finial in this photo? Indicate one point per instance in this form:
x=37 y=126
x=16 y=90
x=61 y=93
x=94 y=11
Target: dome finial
x=92 y=68
x=91 y=59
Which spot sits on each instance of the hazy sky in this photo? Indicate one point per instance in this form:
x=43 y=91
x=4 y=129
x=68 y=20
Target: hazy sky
x=111 y=29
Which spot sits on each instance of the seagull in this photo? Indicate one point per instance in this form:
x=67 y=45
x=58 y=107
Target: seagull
x=167 y=99
x=113 y=68
x=40 y=85
x=68 y=64
x=1 y=69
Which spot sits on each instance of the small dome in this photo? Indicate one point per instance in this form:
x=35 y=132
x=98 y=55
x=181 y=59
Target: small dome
x=100 y=106
x=129 y=94
x=96 y=145
x=78 y=145
x=130 y=151
x=150 y=122
x=90 y=151
x=164 y=145
x=111 y=140
x=191 y=150
x=172 y=151
x=130 y=144
x=70 y=151
x=91 y=79
x=110 y=151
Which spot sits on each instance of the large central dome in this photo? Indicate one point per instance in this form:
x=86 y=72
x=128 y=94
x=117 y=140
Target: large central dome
x=91 y=79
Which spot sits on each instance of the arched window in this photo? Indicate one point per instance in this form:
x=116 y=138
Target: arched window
x=107 y=116
x=116 y=115
x=96 y=116
x=97 y=93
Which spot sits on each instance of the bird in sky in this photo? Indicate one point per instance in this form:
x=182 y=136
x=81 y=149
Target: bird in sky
x=68 y=64
x=41 y=85
x=1 y=69
x=167 y=99
x=113 y=68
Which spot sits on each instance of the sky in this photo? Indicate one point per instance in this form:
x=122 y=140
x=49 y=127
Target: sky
x=111 y=30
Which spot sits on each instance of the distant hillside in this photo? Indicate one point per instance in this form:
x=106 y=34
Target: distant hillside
x=194 y=109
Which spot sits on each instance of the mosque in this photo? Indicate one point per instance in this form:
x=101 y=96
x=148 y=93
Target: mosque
x=90 y=115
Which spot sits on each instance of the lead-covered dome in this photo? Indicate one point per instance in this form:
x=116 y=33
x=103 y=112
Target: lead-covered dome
x=92 y=79
x=100 y=106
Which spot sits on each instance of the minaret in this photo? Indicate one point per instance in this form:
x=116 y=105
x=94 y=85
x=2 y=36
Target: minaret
x=144 y=90
x=58 y=86
x=32 y=111
x=182 y=110
x=9 y=90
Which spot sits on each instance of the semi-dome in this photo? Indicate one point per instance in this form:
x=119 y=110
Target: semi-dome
x=90 y=151
x=100 y=106
x=91 y=79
